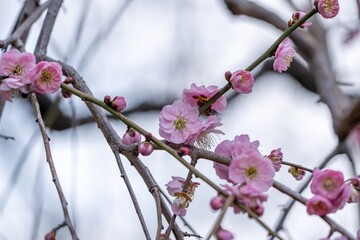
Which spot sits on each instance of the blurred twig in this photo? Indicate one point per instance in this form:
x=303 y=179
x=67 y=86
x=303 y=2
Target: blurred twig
x=132 y=194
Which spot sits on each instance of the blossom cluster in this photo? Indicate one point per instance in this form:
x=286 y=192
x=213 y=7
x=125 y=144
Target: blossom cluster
x=181 y=123
x=250 y=173
x=19 y=71
x=330 y=191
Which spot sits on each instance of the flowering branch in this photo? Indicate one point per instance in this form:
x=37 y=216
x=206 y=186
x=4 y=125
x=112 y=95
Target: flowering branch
x=268 y=53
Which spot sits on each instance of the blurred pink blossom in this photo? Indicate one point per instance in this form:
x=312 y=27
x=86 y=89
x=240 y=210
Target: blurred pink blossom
x=242 y=81
x=197 y=96
x=46 y=77
x=328 y=8
x=276 y=156
x=283 y=55
x=318 y=205
x=327 y=183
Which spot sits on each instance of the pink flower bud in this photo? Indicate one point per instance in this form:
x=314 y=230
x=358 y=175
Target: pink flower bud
x=242 y=81
x=223 y=234
x=184 y=151
x=146 y=148
x=297 y=173
x=276 y=156
x=228 y=75
x=118 y=103
x=131 y=137
x=107 y=100
x=217 y=202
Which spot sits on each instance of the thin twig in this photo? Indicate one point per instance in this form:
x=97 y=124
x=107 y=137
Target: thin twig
x=7 y=137
x=45 y=33
x=132 y=194
x=50 y=161
x=25 y=26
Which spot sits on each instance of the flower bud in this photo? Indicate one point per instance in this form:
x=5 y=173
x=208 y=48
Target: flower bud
x=228 y=75
x=118 y=103
x=217 y=202
x=145 y=148
x=131 y=137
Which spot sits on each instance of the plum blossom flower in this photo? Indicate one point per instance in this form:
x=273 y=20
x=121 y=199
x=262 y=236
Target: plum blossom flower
x=252 y=169
x=46 y=77
x=203 y=137
x=15 y=68
x=183 y=196
x=318 y=205
x=328 y=8
x=178 y=122
x=328 y=183
x=344 y=197
x=131 y=136
x=276 y=156
x=296 y=17
x=242 y=81
x=197 y=96
x=283 y=55
x=241 y=144
x=252 y=197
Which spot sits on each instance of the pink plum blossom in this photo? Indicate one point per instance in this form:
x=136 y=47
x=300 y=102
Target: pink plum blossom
x=145 y=148
x=328 y=8
x=224 y=148
x=318 y=205
x=327 y=183
x=276 y=156
x=16 y=66
x=283 y=55
x=178 y=122
x=344 y=197
x=296 y=17
x=118 y=103
x=252 y=197
x=131 y=137
x=183 y=196
x=197 y=96
x=203 y=138
x=46 y=77
x=252 y=169
x=242 y=81
x=175 y=185
x=243 y=145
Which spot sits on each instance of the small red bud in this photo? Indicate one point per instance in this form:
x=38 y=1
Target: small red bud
x=228 y=75
x=107 y=100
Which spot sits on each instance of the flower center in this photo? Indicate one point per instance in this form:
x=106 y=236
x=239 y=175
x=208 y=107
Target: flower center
x=329 y=184
x=180 y=123
x=201 y=100
x=18 y=70
x=251 y=172
x=45 y=77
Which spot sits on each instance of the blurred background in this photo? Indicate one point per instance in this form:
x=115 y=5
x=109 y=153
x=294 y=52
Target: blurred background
x=148 y=52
